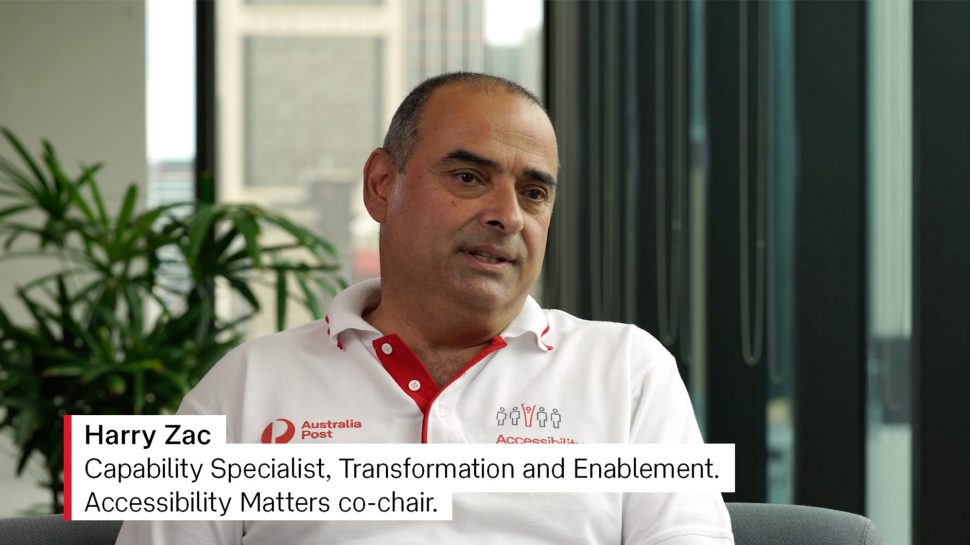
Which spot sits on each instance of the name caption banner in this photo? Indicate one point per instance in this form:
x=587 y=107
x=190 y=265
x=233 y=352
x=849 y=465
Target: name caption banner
x=181 y=468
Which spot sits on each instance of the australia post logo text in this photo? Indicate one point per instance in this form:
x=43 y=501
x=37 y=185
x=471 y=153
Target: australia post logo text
x=283 y=430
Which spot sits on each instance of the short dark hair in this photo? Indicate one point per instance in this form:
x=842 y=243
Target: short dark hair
x=403 y=132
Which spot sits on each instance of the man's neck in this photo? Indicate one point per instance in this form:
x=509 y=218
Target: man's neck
x=445 y=339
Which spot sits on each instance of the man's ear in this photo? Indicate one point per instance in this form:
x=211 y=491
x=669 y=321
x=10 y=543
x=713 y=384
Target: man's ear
x=379 y=174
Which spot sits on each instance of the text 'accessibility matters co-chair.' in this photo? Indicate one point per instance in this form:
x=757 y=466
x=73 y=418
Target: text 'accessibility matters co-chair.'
x=754 y=524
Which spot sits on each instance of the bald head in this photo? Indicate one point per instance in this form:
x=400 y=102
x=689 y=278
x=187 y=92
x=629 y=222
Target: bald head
x=403 y=132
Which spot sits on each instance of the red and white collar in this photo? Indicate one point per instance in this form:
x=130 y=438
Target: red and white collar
x=346 y=308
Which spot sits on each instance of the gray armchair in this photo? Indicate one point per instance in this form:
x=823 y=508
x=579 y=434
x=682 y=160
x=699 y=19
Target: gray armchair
x=768 y=524
x=54 y=530
x=754 y=524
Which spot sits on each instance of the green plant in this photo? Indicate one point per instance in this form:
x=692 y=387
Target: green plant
x=125 y=321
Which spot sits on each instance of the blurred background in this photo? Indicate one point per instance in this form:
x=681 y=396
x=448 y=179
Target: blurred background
x=778 y=191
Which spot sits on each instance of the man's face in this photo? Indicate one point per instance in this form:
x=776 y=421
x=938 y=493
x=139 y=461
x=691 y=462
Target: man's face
x=467 y=220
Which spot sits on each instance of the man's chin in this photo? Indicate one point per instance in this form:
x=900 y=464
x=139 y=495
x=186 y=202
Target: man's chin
x=486 y=295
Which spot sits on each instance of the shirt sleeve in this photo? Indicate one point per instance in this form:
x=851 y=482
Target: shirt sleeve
x=662 y=413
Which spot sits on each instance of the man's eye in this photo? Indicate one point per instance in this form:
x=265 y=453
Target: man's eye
x=467 y=178
x=535 y=194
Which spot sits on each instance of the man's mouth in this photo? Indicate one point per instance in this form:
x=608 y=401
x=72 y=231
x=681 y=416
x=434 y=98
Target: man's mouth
x=489 y=255
x=487 y=258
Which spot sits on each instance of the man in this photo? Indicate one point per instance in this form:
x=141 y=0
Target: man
x=448 y=338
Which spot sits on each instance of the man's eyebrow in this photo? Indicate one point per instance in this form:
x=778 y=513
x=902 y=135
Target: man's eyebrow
x=541 y=176
x=468 y=157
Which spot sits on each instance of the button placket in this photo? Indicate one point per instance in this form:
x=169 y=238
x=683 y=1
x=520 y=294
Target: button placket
x=406 y=370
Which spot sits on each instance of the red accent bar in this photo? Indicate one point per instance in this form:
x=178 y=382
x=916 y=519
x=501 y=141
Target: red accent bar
x=67 y=467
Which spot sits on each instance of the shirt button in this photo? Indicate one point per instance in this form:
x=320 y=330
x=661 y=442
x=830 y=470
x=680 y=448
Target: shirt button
x=387 y=348
x=441 y=411
x=414 y=385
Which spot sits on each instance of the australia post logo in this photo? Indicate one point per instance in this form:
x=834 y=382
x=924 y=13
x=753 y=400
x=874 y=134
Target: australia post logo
x=280 y=430
x=283 y=430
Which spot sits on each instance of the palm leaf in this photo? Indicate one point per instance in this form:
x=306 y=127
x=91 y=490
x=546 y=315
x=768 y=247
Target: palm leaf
x=25 y=156
x=127 y=208
x=281 y=297
x=250 y=232
x=199 y=231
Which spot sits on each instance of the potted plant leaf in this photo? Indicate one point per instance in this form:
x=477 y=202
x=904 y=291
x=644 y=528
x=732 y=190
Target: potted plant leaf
x=124 y=321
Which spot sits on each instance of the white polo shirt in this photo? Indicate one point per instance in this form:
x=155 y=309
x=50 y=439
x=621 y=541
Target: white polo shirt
x=548 y=378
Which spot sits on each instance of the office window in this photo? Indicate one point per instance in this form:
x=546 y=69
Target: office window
x=170 y=100
x=890 y=249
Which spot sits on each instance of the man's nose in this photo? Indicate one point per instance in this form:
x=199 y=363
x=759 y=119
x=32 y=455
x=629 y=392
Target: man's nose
x=503 y=210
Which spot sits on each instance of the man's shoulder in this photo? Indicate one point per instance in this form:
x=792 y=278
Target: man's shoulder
x=567 y=322
x=566 y=325
x=270 y=350
x=256 y=361
x=309 y=336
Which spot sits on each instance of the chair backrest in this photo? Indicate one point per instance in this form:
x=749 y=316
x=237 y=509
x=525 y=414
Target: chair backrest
x=54 y=530
x=771 y=524
x=754 y=524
